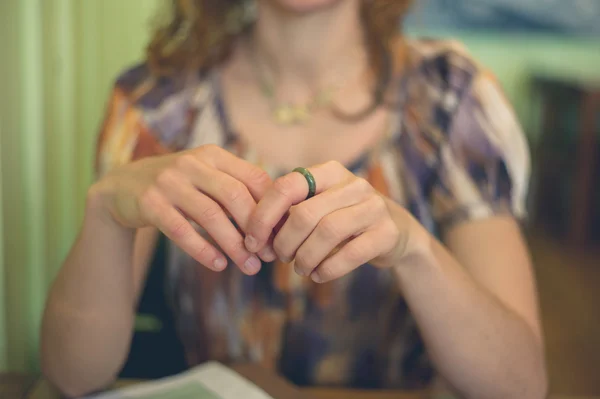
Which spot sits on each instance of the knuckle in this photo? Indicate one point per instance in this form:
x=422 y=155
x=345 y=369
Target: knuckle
x=302 y=216
x=390 y=231
x=150 y=200
x=283 y=185
x=210 y=213
x=259 y=227
x=258 y=223
x=166 y=177
x=259 y=176
x=202 y=251
x=234 y=192
x=378 y=203
x=236 y=248
x=178 y=229
x=363 y=185
x=328 y=227
x=186 y=162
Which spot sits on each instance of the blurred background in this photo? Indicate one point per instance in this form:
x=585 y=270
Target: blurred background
x=58 y=59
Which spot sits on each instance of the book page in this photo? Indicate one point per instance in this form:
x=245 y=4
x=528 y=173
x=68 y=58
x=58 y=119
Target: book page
x=208 y=381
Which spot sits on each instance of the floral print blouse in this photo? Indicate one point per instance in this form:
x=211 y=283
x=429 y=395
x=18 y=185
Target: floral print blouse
x=456 y=154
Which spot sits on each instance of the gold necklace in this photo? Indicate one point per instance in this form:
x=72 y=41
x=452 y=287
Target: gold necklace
x=294 y=114
x=288 y=114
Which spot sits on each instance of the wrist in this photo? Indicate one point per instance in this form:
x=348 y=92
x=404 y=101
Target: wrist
x=419 y=257
x=415 y=240
x=414 y=246
x=97 y=208
x=419 y=240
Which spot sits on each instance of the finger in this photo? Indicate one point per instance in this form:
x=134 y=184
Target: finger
x=211 y=217
x=253 y=177
x=287 y=191
x=332 y=231
x=229 y=192
x=168 y=220
x=267 y=254
x=355 y=253
x=304 y=217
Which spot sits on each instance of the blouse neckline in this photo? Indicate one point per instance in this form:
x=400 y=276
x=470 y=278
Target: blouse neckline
x=358 y=163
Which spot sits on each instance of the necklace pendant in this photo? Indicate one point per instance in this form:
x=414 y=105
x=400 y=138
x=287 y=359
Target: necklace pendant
x=283 y=115
x=291 y=115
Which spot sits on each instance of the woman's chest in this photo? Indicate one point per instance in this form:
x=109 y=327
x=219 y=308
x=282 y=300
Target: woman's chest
x=320 y=140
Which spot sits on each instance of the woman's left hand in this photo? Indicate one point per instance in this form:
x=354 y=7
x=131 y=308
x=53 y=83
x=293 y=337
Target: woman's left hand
x=345 y=225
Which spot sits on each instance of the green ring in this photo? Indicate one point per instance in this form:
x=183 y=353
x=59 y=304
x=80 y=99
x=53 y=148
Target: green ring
x=310 y=179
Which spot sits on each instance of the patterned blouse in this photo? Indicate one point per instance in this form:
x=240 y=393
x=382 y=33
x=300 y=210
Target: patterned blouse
x=457 y=153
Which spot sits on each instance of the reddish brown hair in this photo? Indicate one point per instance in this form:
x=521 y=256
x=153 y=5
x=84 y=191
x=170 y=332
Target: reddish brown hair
x=200 y=33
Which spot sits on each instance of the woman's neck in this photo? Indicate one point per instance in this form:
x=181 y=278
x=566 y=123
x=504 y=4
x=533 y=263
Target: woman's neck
x=312 y=48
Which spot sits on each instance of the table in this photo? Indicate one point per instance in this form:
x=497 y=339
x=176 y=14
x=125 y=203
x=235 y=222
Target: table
x=18 y=386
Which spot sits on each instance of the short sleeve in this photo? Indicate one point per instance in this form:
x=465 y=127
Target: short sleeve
x=148 y=116
x=124 y=134
x=484 y=164
x=118 y=133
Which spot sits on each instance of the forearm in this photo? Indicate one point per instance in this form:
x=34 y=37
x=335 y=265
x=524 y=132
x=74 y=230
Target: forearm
x=480 y=346
x=89 y=316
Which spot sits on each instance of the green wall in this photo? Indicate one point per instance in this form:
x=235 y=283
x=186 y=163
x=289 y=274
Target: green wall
x=113 y=35
x=59 y=57
x=22 y=193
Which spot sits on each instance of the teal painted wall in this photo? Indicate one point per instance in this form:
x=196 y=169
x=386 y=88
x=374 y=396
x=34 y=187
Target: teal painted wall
x=515 y=58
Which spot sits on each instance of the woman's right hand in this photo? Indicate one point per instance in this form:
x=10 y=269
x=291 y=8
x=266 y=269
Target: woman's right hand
x=201 y=185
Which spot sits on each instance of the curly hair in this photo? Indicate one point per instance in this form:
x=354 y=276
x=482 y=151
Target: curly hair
x=201 y=33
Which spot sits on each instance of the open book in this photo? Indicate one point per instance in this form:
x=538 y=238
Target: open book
x=208 y=381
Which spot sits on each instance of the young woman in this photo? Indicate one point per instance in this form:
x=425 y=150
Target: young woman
x=331 y=274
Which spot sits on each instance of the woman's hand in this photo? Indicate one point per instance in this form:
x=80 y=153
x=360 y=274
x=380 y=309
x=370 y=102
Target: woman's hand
x=346 y=225
x=199 y=185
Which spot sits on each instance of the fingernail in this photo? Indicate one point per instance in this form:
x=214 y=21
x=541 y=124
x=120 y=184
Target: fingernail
x=251 y=243
x=316 y=278
x=268 y=254
x=252 y=265
x=220 y=264
x=299 y=271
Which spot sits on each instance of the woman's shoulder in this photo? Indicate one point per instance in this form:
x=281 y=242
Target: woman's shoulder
x=440 y=77
x=460 y=135
x=441 y=56
x=147 y=91
x=443 y=67
x=166 y=107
